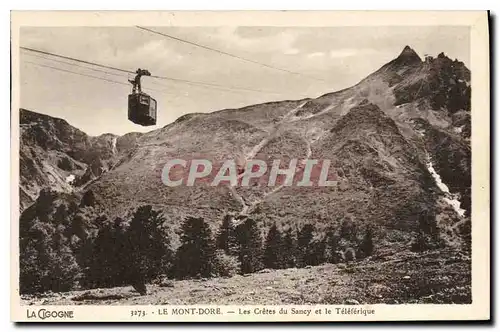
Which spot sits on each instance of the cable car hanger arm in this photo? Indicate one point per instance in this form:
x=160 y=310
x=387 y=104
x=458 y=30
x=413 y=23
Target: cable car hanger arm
x=136 y=82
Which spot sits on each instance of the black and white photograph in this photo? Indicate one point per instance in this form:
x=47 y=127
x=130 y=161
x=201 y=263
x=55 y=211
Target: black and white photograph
x=247 y=165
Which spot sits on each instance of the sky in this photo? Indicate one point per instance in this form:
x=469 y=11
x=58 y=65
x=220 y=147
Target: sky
x=327 y=59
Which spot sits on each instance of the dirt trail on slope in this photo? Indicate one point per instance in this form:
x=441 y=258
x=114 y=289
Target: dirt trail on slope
x=250 y=155
x=277 y=188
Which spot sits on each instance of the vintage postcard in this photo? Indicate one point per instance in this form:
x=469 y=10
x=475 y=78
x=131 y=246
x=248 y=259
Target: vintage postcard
x=250 y=166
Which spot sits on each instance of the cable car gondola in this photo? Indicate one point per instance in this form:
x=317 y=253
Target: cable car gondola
x=141 y=106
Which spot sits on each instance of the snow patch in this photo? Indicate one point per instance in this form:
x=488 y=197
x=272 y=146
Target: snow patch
x=113 y=144
x=455 y=204
x=437 y=178
x=449 y=198
x=306 y=116
x=70 y=178
x=458 y=130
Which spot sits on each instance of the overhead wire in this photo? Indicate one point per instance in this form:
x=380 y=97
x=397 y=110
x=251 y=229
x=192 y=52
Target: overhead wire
x=87 y=75
x=189 y=82
x=77 y=65
x=229 y=54
x=221 y=88
x=215 y=85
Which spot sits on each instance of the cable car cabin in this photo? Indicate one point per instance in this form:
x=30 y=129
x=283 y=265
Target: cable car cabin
x=142 y=109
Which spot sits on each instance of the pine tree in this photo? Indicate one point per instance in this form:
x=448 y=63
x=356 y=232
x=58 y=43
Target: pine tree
x=250 y=246
x=331 y=247
x=304 y=244
x=273 y=252
x=289 y=249
x=88 y=199
x=84 y=254
x=465 y=232
x=148 y=246
x=226 y=237
x=107 y=265
x=425 y=223
x=61 y=215
x=44 y=204
x=316 y=255
x=420 y=243
x=35 y=258
x=46 y=260
x=366 y=246
x=196 y=255
x=120 y=264
x=31 y=271
x=427 y=233
x=80 y=226
x=64 y=270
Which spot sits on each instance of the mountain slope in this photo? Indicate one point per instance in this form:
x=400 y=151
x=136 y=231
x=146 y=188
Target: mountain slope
x=396 y=278
x=379 y=134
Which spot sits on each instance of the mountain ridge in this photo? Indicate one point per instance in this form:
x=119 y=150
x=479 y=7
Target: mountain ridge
x=372 y=132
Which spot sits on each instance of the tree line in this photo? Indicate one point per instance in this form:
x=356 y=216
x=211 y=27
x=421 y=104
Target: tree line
x=60 y=255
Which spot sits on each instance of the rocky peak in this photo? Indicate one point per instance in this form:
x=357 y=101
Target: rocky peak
x=405 y=65
x=408 y=56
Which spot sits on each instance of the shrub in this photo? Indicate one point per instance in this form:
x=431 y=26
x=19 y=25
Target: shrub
x=226 y=265
x=348 y=230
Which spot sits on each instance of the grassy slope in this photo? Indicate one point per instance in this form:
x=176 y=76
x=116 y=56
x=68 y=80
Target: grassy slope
x=441 y=276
